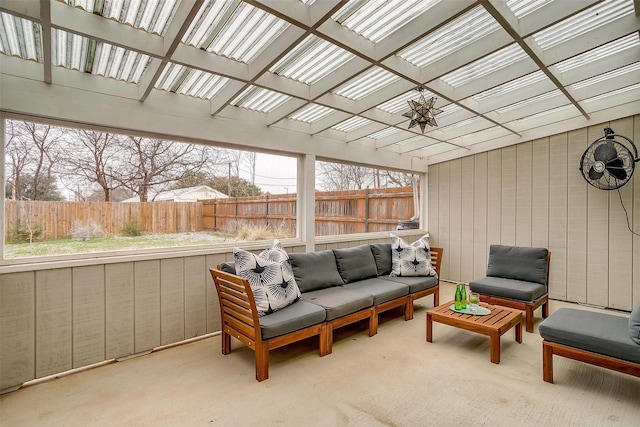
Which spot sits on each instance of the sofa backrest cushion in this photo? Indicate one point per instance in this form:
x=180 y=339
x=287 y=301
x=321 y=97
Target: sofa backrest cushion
x=315 y=270
x=518 y=263
x=228 y=267
x=382 y=254
x=634 y=324
x=355 y=263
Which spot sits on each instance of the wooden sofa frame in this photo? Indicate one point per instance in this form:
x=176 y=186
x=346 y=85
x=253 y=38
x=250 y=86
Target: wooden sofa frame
x=527 y=307
x=550 y=348
x=239 y=317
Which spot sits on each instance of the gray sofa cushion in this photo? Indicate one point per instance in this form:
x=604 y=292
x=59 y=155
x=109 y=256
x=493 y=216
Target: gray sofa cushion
x=228 y=267
x=415 y=283
x=355 y=263
x=382 y=290
x=518 y=263
x=298 y=315
x=634 y=324
x=338 y=301
x=382 y=254
x=600 y=333
x=508 y=288
x=315 y=270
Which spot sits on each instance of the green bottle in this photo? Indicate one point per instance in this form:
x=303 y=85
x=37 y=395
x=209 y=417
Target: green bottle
x=463 y=295
x=458 y=298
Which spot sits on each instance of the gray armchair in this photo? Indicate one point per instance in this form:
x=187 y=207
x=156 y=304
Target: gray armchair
x=517 y=277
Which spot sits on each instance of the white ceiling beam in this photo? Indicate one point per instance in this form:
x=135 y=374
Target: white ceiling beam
x=27 y=9
x=599 y=66
x=549 y=14
x=198 y=59
x=47 y=50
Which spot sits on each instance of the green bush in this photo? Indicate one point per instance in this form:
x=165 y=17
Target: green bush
x=131 y=229
x=23 y=232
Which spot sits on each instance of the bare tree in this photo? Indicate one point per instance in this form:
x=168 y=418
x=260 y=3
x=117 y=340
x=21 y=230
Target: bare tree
x=155 y=164
x=250 y=157
x=34 y=152
x=342 y=177
x=92 y=157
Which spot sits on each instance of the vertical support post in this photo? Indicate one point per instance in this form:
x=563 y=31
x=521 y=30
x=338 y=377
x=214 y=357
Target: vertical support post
x=306 y=201
x=2 y=172
x=366 y=210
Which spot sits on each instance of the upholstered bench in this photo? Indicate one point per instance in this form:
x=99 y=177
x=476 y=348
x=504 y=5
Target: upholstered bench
x=591 y=337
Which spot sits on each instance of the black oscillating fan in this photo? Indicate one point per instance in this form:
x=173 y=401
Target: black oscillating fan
x=608 y=164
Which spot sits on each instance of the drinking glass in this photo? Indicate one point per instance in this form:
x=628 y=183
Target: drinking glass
x=474 y=299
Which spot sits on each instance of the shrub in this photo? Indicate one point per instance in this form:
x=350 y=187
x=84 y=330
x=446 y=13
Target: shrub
x=131 y=229
x=23 y=232
x=81 y=231
x=250 y=231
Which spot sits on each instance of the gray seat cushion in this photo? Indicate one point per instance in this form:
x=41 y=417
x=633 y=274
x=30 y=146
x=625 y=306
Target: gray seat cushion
x=355 y=263
x=508 y=288
x=382 y=254
x=338 y=301
x=518 y=263
x=382 y=290
x=415 y=283
x=299 y=315
x=591 y=331
x=315 y=270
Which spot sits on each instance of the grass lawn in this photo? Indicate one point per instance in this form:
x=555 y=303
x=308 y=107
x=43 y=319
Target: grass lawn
x=69 y=246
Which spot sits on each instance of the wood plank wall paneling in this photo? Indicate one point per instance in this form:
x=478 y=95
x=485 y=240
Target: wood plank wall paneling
x=171 y=301
x=17 y=329
x=88 y=315
x=466 y=244
x=119 y=310
x=195 y=296
x=53 y=321
x=558 y=216
x=147 y=305
x=533 y=194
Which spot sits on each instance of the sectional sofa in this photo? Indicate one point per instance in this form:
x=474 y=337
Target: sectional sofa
x=337 y=287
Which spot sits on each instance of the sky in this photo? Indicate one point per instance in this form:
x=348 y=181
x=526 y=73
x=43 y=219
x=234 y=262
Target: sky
x=274 y=174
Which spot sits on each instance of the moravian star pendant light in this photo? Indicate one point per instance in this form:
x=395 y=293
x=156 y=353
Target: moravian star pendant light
x=422 y=111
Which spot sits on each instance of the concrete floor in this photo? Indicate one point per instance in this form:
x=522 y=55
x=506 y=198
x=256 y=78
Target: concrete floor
x=395 y=378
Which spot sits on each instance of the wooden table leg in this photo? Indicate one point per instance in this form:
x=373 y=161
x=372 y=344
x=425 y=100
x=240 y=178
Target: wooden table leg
x=429 y=328
x=494 y=347
x=519 y=332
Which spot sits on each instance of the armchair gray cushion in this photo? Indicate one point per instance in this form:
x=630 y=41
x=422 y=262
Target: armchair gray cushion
x=508 y=288
x=315 y=270
x=518 y=263
x=355 y=263
x=228 y=267
x=634 y=324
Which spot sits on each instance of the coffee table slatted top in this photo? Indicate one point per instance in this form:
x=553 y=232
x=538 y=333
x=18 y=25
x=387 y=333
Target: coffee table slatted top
x=493 y=325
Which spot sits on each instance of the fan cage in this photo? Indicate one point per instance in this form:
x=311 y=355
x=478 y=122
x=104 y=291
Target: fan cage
x=607 y=181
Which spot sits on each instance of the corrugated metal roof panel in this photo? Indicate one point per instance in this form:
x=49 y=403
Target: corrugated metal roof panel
x=102 y=59
x=541 y=97
x=311 y=113
x=490 y=63
x=152 y=16
x=385 y=133
x=311 y=60
x=522 y=8
x=510 y=86
x=353 y=123
x=233 y=29
x=587 y=20
x=375 y=19
x=400 y=103
x=259 y=99
x=366 y=83
x=188 y=81
x=20 y=37
x=635 y=67
x=627 y=42
x=613 y=93
x=459 y=33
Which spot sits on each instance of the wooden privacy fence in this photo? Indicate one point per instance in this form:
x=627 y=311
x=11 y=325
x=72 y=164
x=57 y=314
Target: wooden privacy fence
x=57 y=218
x=337 y=212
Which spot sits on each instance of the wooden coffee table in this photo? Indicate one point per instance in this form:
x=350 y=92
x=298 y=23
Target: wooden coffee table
x=494 y=325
